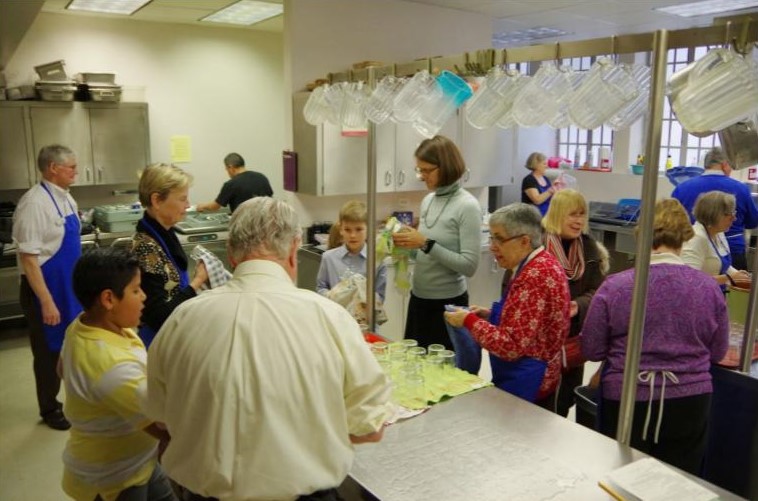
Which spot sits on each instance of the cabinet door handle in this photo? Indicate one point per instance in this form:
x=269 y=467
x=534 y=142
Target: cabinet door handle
x=99 y=174
x=387 y=178
x=401 y=178
x=87 y=171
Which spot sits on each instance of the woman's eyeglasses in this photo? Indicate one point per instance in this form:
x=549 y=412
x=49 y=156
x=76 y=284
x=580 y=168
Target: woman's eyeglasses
x=425 y=171
x=501 y=240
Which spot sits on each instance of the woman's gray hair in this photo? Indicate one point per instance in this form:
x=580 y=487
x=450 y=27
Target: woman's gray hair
x=710 y=207
x=262 y=226
x=53 y=153
x=519 y=219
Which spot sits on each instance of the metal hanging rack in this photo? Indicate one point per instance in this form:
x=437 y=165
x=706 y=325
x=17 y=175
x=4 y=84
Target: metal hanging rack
x=658 y=43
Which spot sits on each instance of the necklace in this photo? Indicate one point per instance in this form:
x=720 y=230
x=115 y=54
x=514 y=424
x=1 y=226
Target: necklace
x=426 y=213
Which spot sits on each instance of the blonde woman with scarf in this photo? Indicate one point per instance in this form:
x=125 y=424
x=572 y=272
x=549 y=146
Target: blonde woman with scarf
x=585 y=262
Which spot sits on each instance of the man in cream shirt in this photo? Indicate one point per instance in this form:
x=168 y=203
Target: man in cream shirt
x=262 y=386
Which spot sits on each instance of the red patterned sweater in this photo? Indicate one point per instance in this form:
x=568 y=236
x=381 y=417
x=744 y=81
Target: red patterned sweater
x=535 y=319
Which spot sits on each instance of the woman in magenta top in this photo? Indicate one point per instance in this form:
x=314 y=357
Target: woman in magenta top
x=686 y=330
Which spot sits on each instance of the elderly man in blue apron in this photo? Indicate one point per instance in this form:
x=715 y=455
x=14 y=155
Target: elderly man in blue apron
x=46 y=229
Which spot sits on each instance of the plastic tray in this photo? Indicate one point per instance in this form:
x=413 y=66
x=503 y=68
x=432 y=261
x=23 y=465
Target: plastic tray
x=96 y=78
x=678 y=175
x=628 y=209
x=116 y=213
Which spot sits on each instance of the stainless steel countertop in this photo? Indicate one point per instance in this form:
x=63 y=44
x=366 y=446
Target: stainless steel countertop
x=625 y=229
x=490 y=445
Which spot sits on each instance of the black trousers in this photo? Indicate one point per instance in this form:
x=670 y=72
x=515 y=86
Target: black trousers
x=426 y=322
x=45 y=360
x=683 y=433
x=569 y=380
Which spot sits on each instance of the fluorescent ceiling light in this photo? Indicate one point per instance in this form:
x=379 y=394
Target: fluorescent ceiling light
x=707 y=7
x=125 y=7
x=246 y=12
x=525 y=36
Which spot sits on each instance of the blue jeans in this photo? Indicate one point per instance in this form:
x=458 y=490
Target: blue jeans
x=157 y=488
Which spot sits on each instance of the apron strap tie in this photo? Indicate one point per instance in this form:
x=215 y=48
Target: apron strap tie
x=649 y=377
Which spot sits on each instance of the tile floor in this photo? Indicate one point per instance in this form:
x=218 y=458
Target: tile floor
x=30 y=452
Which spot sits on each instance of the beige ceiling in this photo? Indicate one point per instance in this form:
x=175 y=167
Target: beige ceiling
x=580 y=18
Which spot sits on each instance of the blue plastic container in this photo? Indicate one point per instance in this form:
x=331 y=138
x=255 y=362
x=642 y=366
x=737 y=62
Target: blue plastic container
x=678 y=175
x=628 y=209
x=454 y=87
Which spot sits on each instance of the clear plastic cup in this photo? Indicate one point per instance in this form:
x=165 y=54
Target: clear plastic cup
x=409 y=343
x=436 y=112
x=378 y=107
x=334 y=95
x=416 y=353
x=414 y=94
x=605 y=90
x=351 y=111
x=379 y=349
x=538 y=101
x=433 y=349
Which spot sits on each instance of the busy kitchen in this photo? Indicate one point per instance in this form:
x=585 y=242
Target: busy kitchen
x=461 y=151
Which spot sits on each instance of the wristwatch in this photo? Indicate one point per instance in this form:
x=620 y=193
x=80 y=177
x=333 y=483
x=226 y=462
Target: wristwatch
x=428 y=245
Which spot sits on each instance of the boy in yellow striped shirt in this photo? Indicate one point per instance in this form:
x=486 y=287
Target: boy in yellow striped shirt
x=113 y=448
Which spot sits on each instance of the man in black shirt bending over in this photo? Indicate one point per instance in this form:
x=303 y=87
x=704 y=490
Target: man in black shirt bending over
x=242 y=185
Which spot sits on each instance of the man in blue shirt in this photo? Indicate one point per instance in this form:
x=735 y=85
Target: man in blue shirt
x=716 y=177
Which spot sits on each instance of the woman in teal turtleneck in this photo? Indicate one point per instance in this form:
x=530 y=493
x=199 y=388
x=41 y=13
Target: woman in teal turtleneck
x=448 y=239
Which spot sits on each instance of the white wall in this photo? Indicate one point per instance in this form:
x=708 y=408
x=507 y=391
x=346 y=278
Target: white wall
x=221 y=86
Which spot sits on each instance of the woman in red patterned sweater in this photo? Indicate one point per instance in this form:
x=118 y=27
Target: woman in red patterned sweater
x=534 y=320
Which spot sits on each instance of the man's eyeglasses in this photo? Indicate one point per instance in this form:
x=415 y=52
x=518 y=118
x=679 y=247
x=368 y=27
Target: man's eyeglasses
x=501 y=241
x=426 y=171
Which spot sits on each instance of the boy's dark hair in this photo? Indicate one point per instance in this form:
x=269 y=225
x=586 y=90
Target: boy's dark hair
x=101 y=269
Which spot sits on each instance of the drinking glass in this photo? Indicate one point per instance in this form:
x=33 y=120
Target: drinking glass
x=433 y=349
x=414 y=94
x=409 y=343
x=416 y=353
x=379 y=349
x=334 y=95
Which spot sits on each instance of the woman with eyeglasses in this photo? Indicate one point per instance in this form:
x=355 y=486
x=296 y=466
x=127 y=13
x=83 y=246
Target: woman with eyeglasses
x=525 y=330
x=585 y=263
x=447 y=241
x=708 y=250
x=536 y=188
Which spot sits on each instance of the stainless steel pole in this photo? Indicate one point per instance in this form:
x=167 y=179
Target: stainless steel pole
x=751 y=322
x=644 y=238
x=371 y=209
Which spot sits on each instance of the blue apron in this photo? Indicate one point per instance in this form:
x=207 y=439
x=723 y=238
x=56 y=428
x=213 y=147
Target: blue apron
x=542 y=189
x=147 y=333
x=57 y=272
x=726 y=261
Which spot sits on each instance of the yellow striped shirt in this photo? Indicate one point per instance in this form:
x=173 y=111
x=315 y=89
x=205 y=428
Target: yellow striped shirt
x=105 y=379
